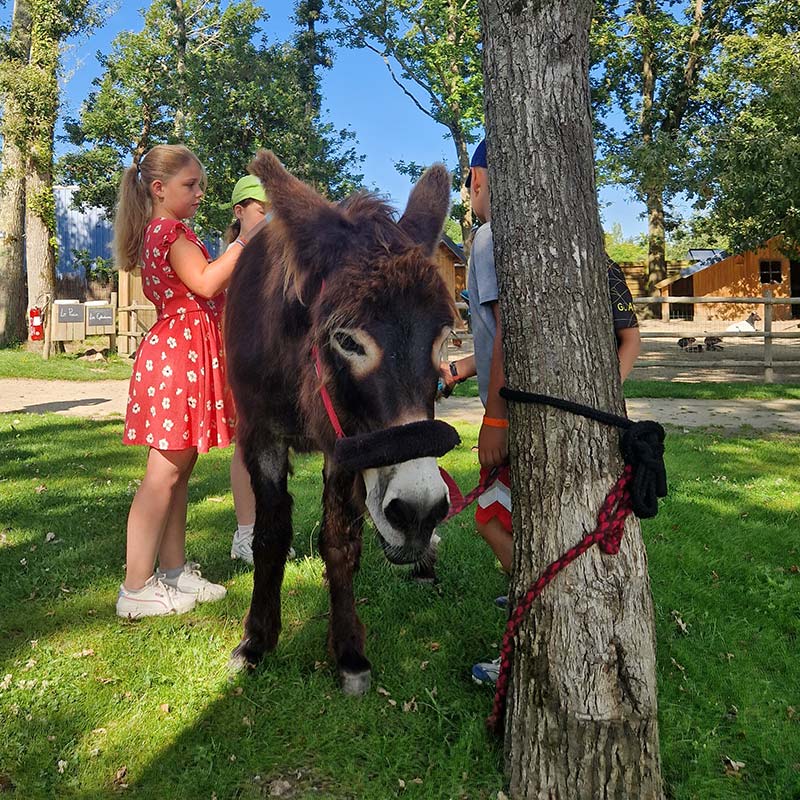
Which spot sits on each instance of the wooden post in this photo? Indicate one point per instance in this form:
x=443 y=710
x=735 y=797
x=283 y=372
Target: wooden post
x=112 y=337
x=769 y=375
x=48 y=326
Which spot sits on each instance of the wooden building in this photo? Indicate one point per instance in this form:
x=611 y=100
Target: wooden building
x=449 y=258
x=745 y=274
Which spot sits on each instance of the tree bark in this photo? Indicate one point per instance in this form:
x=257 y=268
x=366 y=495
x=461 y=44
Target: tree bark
x=181 y=111
x=12 y=188
x=582 y=712
x=656 y=243
x=462 y=154
x=40 y=214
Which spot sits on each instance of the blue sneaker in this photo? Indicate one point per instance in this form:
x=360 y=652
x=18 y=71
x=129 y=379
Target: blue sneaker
x=486 y=672
x=502 y=601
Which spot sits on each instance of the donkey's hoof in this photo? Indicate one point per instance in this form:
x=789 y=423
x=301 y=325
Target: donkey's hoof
x=356 y=684
x=243 y=658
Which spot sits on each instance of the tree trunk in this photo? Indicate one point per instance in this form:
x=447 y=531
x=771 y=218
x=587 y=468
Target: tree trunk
x=12 y=189
x=582 y=713
x=656 y=243
x=40 y=212
x=40 y=235
x=180 y=121
x=463 y=168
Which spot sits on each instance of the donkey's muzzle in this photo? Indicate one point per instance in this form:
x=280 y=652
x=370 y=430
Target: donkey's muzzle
x=423 y=439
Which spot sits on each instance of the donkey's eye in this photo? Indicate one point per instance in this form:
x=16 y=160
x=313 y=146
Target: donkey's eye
x=362 y=353
x=349 y=344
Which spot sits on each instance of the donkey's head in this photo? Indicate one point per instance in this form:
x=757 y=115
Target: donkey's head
x=380 y=315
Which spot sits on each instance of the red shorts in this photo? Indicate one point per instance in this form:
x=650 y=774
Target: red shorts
x=496 y=500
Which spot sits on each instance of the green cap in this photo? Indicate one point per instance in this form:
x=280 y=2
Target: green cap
x=248 y=188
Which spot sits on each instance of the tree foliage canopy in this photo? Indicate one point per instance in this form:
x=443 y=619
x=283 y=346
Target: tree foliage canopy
x=745 y=166
x=232 y=91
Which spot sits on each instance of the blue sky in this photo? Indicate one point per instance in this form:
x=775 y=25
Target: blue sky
x=357 y=93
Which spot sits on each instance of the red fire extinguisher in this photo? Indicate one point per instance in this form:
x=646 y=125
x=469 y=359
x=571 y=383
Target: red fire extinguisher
x=37 y=328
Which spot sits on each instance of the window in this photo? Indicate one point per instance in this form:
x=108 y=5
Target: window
x=770 y=271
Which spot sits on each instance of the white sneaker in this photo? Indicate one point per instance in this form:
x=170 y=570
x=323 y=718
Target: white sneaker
x=154 y=600
x=242 y=547
x=192 y=584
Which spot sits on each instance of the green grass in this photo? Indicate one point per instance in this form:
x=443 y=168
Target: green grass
x=685 y=391
x=90 y=690
x=64 y=367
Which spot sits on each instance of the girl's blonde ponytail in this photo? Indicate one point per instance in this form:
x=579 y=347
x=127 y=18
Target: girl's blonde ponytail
x=133 y=213
x=134 y=204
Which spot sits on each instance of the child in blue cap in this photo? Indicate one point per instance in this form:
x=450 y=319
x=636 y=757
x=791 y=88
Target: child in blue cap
x=493 y=512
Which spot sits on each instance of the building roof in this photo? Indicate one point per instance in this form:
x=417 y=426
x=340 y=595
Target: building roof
x=710 y=258
x=456 y=249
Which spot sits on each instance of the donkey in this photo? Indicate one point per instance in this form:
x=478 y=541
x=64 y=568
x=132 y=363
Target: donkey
x=335 y=320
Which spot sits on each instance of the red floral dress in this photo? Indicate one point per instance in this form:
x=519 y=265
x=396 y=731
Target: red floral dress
x=178 y=395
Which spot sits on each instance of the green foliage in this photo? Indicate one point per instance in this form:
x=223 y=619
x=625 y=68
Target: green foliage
x=98 y=269
x=745 y=170
x=98 y=693
x=432 y=50
x=236 y=94
x=433 y=45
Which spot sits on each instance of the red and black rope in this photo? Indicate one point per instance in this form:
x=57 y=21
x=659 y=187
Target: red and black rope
x=637 y=490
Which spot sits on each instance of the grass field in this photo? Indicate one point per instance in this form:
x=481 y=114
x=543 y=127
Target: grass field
x=93 y=706
x=62 y=367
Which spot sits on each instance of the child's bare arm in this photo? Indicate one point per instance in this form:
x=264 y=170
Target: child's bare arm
x=493 y=440
x=630 y=344
x=204 y=278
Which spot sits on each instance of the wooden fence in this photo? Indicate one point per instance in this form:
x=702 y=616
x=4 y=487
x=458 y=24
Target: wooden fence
x=768 y=335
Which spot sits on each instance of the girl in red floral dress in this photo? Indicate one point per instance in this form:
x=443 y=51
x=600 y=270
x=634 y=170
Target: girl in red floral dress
x=179 y=404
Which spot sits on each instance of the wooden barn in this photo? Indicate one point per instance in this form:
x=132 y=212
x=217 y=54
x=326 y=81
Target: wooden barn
x=745 y=274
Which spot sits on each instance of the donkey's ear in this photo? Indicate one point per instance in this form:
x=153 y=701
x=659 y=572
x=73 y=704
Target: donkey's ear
x=317 y=230
x=427 y=207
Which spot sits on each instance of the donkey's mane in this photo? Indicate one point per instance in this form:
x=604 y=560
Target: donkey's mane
x=375 y=221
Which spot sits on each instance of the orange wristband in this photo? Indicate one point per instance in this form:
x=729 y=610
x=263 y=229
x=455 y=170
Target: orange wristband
x=495 y=423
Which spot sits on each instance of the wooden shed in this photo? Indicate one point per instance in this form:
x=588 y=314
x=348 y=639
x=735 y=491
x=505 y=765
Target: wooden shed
x=449 y=258
x=745 y=274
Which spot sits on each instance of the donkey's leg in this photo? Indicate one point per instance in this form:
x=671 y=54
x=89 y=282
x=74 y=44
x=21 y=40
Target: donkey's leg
x=340 y=546
x=268 y=464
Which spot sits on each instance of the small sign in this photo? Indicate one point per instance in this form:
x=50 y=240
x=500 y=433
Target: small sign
x=99 y=316
x=70 y=312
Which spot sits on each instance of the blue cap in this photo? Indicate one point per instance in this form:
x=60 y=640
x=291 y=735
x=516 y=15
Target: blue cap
x=478 y=160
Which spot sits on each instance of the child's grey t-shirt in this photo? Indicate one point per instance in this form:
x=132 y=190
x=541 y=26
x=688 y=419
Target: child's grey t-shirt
x=482 y=288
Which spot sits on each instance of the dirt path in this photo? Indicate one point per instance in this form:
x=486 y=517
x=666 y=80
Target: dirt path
x=100 y=399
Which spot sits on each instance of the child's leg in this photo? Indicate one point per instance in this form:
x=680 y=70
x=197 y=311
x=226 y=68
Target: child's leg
x=244 y=501
x=151 y=509
x=493 y=516
x=499 y=539
x=172 y=551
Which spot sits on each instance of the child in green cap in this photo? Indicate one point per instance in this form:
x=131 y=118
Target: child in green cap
x=249 y=203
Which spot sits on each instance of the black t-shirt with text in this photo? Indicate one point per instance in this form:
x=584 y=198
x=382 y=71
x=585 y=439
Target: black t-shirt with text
x=622 y=307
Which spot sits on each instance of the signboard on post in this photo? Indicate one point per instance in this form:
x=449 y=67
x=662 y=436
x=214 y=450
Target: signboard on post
x=69 y=312
x=69 y=321
x=99 y=318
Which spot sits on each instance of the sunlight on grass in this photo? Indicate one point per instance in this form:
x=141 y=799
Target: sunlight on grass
x=98 y=693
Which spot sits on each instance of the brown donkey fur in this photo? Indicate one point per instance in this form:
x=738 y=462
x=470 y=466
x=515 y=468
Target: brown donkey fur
x=352 y=281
